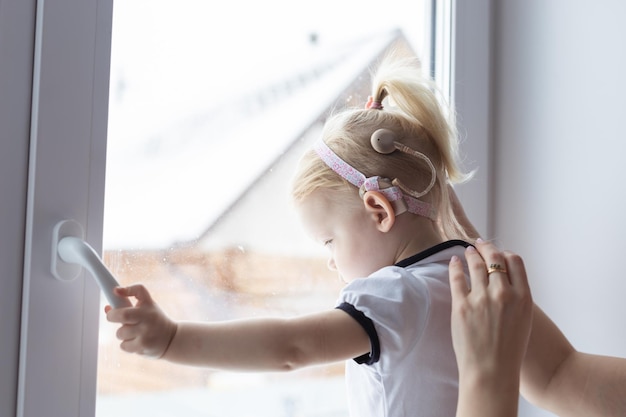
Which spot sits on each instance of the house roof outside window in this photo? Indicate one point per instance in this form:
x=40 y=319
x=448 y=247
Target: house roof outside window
x=201 y=177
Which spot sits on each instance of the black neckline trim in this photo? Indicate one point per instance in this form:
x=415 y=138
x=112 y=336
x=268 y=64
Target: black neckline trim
x=431 y=251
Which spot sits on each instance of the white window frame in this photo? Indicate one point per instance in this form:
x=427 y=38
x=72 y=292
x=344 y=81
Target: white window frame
x=65 y=128
x=16 y=54
x=472 y=66
x=58 y=327
x=461 y=46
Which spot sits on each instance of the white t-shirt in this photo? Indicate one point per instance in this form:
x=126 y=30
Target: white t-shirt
x=411 y=370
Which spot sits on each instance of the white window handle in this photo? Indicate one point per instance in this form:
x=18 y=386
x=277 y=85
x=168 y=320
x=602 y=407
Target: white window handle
x=70 y=252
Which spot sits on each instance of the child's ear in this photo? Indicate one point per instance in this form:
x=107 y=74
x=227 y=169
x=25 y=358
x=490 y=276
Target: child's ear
x=380 y=210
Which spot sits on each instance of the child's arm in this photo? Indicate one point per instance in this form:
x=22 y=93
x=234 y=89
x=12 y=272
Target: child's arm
x=569 y=383
x=271 y=344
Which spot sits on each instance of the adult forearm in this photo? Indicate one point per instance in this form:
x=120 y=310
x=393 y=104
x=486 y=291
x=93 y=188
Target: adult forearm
x=547 y=351
x=588 y=385
x=568 y=383
x=488 y=397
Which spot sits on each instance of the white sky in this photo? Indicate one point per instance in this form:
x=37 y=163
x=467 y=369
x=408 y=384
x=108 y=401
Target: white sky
x=173 y=60
x=167 y=46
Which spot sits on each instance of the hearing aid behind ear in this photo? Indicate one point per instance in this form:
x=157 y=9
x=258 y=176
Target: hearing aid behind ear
x=384 y=141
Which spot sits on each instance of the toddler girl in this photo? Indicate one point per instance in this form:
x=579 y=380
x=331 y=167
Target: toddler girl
x=375 y=190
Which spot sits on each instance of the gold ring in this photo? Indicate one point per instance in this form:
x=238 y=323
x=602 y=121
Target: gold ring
x=496 y=268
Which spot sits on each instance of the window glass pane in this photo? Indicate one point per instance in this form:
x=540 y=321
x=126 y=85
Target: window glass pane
x=210 y=108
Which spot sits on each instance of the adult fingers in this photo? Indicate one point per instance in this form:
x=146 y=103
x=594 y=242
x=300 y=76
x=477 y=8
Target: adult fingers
x=517 y=273
x=477 y=270
x=495 y=264
x=458 y=284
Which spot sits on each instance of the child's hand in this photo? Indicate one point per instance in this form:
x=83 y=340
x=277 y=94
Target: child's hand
x=145 y=329
x=491 y=322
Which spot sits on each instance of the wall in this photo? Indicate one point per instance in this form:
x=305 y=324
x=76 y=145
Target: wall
x=559 y=107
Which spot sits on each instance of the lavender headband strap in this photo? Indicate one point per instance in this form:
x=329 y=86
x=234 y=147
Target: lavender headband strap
x=358 y=179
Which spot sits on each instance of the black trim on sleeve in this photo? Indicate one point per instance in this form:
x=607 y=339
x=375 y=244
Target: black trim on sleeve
x=431 y=251
x=367 y=324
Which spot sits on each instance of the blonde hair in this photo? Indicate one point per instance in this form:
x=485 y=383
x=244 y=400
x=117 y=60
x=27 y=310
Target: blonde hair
x=417 y=115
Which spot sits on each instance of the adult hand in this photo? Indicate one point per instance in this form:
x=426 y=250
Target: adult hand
x=491 y=322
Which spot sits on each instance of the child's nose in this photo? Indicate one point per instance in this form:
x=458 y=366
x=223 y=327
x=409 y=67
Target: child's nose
x=331 y=264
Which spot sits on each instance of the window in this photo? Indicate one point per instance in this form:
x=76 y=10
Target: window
x=58 y=351
x=208 y=116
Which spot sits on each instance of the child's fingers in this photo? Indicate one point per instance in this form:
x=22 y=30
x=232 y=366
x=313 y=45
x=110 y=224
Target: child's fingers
x=119 y=315
x=129 y=315
x=138 y=291
x=127 y=332
x=458 y=285
x=126 y=315
x=131 y=346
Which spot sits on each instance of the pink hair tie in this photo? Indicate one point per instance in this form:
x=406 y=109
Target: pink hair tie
x=373 y=104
